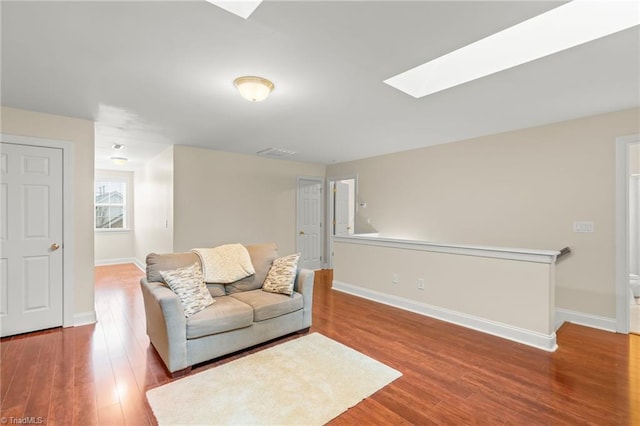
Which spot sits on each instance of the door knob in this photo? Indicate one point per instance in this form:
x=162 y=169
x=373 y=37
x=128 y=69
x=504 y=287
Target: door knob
x=54 y=247
x=301 y=232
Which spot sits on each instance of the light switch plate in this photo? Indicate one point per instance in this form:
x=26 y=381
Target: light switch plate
x=584 y=226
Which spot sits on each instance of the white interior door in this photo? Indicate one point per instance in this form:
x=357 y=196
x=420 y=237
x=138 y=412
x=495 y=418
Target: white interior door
x=31 y=282
x=341 y=206
x=309 y=237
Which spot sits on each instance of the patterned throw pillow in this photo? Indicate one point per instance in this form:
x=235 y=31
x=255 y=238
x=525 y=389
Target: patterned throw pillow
x=188 y=284
x=282 y=275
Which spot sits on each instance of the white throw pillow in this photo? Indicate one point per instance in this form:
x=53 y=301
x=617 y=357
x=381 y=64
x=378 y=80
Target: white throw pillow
x=188 y=284
x=282 y=275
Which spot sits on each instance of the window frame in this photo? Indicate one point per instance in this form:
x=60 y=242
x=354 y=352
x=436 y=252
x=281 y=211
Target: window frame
x=126 y=202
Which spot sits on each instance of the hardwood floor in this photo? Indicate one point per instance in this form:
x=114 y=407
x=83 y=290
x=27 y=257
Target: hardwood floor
x=98 y=374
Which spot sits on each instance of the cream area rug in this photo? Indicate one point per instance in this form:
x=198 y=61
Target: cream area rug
x=306 y=381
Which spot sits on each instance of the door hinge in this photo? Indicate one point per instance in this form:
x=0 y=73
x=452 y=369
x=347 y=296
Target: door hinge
x=334 y=221
x=335 y=189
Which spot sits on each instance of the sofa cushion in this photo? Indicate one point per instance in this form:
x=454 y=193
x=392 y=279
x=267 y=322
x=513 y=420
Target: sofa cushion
x=282 y=275
x=225 y=315
x=216 y=290
x=262 y=255
x=164 y=262
x=269 y=305
x=188 y=284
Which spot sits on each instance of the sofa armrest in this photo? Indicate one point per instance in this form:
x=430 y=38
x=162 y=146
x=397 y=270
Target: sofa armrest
x=304 y=286
x=166 y=324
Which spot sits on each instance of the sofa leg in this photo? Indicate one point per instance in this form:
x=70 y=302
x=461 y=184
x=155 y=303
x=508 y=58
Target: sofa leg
x=181 y=373
x=303 y=331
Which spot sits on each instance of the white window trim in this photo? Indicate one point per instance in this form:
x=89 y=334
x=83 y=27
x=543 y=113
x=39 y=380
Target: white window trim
x=106 y=176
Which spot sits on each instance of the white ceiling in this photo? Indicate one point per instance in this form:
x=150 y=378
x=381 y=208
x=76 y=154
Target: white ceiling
x=158 y=73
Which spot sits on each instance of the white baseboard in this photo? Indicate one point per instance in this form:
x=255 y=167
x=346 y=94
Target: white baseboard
x=84 y=318
x=120 y=261
x=588 y=320
x=140 y=265
x=516 y=334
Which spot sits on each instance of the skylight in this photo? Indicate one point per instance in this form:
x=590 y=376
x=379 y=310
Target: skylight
x=242 y=8
x=566 y=26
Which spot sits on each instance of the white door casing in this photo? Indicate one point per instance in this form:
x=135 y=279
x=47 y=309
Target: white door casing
x=622 y=199
x=31 y=231
x=634 y=229
x=341 y=206
x=309 y=221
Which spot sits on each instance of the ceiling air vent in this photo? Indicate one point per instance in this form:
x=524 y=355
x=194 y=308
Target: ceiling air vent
x=275 y=153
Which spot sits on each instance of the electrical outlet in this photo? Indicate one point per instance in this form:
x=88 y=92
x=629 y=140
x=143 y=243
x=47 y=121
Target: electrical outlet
x=420 y=283
x=395 y=279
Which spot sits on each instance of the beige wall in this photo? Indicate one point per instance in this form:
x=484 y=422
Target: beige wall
x=115 y=246
x=225 y=197
x=81 y=134
x=153 y=207
x=518 y=189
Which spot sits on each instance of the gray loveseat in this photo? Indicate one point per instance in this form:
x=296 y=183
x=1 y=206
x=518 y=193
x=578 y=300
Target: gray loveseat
x=243 y=315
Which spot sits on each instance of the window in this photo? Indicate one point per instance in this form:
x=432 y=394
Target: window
x=111 y=204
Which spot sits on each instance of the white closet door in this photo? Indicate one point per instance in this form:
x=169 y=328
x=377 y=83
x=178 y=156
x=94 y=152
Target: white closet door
x=32 y=250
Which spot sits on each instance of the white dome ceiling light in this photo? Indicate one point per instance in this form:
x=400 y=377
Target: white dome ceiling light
x=254 y=89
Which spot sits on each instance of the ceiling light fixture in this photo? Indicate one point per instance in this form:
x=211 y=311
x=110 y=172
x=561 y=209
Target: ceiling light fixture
x=566 y=26
x=253 y=89
x=120 y=161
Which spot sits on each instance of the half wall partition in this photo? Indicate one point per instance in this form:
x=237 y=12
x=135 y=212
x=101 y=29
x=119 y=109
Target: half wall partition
x=506 y=292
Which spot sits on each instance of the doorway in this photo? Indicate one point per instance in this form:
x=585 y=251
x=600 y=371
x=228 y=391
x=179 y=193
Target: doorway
x=67 y=248
x=344 y=207
x=342 y=210
x=628 y=234
x=31 y=229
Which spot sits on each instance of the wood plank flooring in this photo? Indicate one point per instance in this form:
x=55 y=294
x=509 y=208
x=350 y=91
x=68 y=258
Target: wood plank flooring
x=98 y=374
